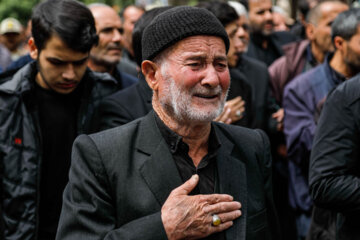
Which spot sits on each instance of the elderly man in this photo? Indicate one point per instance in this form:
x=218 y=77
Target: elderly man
x=105 y=56
x=174 y=174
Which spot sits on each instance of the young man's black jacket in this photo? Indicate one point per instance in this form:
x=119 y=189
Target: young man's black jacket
x=20 y=145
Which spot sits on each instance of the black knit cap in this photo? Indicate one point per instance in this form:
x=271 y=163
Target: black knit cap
x=176 y=24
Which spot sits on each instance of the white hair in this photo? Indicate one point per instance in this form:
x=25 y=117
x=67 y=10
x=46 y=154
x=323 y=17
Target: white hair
x=239 y=8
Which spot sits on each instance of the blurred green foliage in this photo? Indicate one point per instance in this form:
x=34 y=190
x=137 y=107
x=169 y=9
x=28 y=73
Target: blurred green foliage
x=21 y=9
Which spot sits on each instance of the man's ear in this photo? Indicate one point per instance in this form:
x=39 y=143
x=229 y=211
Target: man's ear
x=33 y=49
x=339 y=43
x=309 y=30
x=150 y=71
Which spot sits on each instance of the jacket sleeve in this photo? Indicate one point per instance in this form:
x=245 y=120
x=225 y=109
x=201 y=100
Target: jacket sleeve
x=334 y=165
x=88 y=211
x=299 y=122
x=278 y=76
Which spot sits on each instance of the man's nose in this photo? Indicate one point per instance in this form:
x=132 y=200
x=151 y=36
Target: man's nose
x=116 y=36
x=69 y=72
x=211 y=78
x=268 y=15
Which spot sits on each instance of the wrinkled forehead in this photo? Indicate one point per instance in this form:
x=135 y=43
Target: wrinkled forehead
x=256 y=5
x=198 y=46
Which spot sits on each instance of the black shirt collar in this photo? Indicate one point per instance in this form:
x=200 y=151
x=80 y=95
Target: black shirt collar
x=174 y=140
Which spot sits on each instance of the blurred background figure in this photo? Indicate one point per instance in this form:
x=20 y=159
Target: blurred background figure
x=243 y=27
x=129 y=16
x=301 y=56
x=5 y=57
x=265 y=44
x=11 y=36
x=105 y=56
x=303 y=100
x=281 y=19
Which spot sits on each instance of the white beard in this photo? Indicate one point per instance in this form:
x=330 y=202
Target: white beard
x=179 y=101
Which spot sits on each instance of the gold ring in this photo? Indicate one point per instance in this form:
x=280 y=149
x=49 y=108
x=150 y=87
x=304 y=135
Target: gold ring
x=216 y=221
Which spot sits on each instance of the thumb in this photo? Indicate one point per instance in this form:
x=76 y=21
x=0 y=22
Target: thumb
x=187 y=186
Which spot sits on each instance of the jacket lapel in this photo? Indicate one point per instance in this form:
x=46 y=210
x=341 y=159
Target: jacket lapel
x=232 y=181
x=158 y=169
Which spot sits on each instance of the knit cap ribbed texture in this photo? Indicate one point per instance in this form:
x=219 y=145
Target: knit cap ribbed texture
x=176 y=24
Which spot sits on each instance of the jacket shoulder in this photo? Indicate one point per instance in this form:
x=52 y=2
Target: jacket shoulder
x=349 y=90
x=114 y=138
x=244 y=137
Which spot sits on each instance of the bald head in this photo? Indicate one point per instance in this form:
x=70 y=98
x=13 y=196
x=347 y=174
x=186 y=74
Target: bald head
x=107 y=53
x=323 y=9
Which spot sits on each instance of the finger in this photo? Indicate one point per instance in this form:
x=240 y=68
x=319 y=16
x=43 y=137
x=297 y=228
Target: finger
x=216 y=198
x=222 y=207
x=229 y=216
x=221 y=227
x=186 y=187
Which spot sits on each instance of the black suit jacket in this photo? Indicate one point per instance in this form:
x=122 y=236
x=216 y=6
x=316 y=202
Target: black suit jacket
x=239 y=86
x=123 y=106
x=120 y=178
x=259 y=79
x=275 y=42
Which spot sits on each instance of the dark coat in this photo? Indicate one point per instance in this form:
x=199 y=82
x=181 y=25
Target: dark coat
x=21 y=146
x=239 y=86
x=123 y=106
x=287 y=67
x=275 y=42
x=334 y=176
x=121 y=177
x=258 y=78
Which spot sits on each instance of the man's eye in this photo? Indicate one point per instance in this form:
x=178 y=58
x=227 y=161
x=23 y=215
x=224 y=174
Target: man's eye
x=81 y=62
x=221 y=66
x=55 y=62
x=194 y=64
x=107 y=30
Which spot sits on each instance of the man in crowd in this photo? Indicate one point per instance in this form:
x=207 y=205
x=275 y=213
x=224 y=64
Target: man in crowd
x=129 y=16
x=11 y=36
x=334 y=163
x=134 y=102
x=265 y=44
x=303 y=55
x=105 y=56
x=5 y=57
x=138 y=180
x=44 y=106
x=303 y=100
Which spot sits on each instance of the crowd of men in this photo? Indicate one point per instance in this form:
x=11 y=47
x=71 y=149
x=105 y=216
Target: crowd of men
x=157 y=123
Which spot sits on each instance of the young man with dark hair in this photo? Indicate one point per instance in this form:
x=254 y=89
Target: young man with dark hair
x=44 y=106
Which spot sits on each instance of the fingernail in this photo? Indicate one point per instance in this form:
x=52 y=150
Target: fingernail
x=195 y=177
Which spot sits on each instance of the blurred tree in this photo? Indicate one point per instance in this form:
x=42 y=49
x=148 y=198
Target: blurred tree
x=18 y=9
